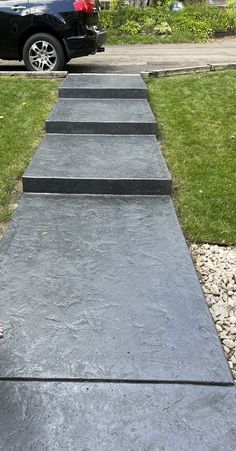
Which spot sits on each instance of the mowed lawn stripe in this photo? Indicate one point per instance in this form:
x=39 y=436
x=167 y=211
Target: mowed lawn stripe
x=197 y=119
x=24 y=106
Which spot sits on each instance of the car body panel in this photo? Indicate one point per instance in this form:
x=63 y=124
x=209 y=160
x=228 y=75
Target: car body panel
x=80 y=33
x=13 y=22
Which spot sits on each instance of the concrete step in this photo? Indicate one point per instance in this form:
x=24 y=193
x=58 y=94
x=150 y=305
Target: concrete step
x=104 y=86
x=102 y=116
x=103 y=288
x=98 y=164
x=113 y=417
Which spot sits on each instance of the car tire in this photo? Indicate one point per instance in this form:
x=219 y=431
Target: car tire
x=43 y=52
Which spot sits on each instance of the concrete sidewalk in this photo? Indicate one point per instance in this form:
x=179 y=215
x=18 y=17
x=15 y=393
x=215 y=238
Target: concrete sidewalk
x=109 y=344
x=137 y=58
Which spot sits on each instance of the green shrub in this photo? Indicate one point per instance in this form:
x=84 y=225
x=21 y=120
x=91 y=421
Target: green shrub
x=196 y=23
x=198 y=29
x=231 y=4
x=107 y=19
x=163 y=28
x=149 y=25
x=216 y=18
x=130 y=27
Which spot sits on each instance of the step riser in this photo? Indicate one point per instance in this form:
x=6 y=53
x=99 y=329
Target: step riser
x=101 y=128
x=63 y=186
x=103 y=93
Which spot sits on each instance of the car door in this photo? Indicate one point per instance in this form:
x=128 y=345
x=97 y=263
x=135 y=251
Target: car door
x=13 y=19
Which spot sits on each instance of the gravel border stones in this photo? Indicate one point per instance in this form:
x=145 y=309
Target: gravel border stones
x=216 y=267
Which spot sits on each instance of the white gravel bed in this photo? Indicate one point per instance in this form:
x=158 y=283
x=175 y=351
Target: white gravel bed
x=216 y=267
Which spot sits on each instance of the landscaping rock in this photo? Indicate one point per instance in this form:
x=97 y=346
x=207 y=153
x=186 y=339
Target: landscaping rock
x=216 y=267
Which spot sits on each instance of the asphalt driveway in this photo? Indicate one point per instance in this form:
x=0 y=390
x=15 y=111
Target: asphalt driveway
x=136 y=58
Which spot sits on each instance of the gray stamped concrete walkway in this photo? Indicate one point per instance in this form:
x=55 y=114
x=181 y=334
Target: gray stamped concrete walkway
x=108 y=342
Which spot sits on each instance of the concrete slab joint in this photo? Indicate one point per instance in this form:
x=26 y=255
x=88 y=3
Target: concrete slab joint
x=108 y=342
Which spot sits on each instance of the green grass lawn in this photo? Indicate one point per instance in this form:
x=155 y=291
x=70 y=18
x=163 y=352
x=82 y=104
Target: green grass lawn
x=197 y=119
x=24 y=106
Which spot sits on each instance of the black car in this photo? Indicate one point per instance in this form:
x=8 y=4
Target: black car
x=48 y=33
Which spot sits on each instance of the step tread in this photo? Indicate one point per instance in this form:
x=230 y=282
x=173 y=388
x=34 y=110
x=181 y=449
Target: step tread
x=119 y=116
x=115 y=417
x=102 y=110
x=107 y=81
x=103 y=287
x=97 y=158
x=106 y=86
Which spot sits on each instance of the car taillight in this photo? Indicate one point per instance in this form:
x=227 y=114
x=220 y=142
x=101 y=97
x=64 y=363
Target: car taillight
x=85 y=6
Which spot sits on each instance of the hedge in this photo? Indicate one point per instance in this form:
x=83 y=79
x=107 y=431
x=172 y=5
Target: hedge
x=196 y=23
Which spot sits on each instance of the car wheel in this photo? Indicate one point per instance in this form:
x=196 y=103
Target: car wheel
x=43 y=52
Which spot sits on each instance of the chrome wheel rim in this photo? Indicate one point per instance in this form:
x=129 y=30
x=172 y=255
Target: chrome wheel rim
x=43 y=56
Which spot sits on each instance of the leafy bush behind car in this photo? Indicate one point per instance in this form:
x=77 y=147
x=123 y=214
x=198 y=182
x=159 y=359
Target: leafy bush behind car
x=195 y=23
